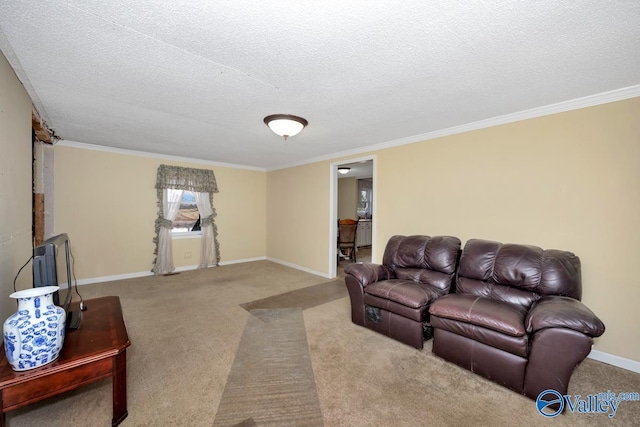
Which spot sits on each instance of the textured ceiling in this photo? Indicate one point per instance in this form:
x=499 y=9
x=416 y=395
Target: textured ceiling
x=195 y=78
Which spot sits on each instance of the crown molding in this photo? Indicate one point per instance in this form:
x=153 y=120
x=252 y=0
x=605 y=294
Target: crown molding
x=124 y=151
x=560 y=107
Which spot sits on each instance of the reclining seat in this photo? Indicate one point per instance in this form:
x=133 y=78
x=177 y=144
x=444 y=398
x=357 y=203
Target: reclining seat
x=393 y=298
x=516 y=317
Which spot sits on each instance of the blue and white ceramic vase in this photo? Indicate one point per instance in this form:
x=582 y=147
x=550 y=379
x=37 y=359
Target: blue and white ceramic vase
x=33 y=336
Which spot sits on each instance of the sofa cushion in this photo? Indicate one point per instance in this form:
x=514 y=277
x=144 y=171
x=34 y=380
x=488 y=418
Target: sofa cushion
x=514 y=345
x=491 y=314
x=527 y=269
x=435 y=279
x=420 y=314
x=438 y=253
x=503 y=293
x=406 y=292
x=403 y=297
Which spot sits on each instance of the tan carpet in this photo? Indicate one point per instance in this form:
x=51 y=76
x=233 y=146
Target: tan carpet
x=186 y=329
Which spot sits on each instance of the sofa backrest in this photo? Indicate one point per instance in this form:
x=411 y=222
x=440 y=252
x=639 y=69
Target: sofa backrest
x=518 y=274
x=431 y=260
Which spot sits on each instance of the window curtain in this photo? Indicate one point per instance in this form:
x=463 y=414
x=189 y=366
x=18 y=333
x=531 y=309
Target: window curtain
x=209 y=244
x=171 y=200
x=200 y=181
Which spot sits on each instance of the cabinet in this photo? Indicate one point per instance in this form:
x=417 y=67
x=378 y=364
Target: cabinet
x=363 y=233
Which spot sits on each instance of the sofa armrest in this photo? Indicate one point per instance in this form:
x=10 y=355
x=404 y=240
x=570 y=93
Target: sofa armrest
x=367 y=273
x=563 y=312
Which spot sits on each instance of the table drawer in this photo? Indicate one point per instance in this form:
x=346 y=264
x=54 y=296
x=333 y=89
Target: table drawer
x=35 y=389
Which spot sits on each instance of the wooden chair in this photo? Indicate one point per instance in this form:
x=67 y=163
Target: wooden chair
x=347 y=229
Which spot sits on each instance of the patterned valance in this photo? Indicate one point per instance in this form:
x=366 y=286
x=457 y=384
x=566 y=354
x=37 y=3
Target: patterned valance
x=190 y=179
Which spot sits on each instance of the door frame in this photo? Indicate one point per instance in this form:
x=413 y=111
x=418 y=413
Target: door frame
x=333 y=209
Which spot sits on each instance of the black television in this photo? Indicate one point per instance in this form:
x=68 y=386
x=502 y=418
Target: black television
x=52 y=267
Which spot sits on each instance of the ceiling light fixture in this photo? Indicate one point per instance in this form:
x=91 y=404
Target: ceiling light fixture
x=343 y=170
x=285 y=125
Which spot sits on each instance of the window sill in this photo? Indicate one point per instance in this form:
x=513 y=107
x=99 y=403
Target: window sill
x=186 y=235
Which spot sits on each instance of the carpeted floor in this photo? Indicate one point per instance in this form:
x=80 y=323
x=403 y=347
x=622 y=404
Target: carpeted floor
x=195 y=336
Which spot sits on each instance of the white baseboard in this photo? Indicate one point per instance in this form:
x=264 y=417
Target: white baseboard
x=611 y=359
x=240 y=261
x=150 y=273
x=299 y=267
x=186 y=268
x=233 y=261
x=114 y=277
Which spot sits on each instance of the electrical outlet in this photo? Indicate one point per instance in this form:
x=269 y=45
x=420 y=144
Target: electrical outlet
x=187 y=254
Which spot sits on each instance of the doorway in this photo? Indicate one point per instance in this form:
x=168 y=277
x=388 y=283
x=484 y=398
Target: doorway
x=357 y=176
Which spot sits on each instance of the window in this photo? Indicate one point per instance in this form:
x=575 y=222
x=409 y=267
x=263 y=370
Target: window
x=200 y=184
x=365 y=197
x=188 y=218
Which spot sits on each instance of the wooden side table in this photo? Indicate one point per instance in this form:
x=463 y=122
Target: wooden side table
x=95 y=351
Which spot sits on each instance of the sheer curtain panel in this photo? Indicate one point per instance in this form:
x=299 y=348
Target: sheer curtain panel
x=208 y=244
x=171 y=200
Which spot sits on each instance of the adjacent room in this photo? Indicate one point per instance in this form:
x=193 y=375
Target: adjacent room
x=209 y=185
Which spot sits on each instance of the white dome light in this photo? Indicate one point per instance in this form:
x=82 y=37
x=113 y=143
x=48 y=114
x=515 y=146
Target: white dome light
x=285 y=125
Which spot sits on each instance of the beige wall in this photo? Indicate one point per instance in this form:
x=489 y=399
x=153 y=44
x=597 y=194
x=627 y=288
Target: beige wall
x=106 y=202
x=567 y=181
x=15 y=186
x=298 y=216
x=347 y=198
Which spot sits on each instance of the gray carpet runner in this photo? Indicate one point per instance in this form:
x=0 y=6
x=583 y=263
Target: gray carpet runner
x=304 y=298
x=271 y=380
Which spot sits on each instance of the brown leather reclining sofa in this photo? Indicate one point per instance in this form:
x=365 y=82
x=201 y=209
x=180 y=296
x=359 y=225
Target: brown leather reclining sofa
x=394 y=298
x=512 y=313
